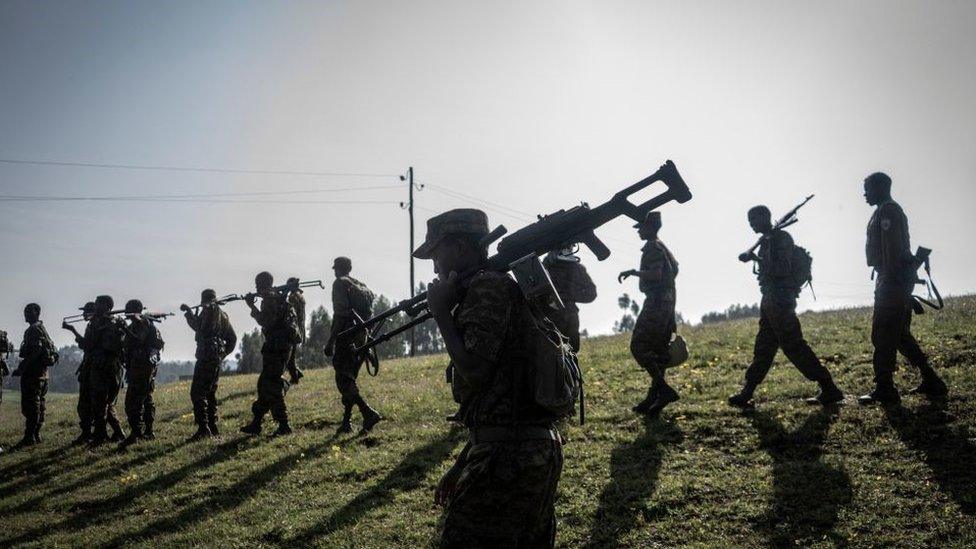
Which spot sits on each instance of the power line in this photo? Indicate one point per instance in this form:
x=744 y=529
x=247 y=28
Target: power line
x=178 y=197
x=62 y=163
x=245 y=201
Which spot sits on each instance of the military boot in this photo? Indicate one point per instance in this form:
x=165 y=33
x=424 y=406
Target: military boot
x=884 y=393
x=202 y=432
x=642 y=406
x=214 y=431
x=283 y=429
x=118 y=433
x=37 y=433
x=134 y=435
x=932 y=385
x=743 y=399
x=253 y=428
x=148 y=433
x=28 y=439
x=665 y=395
x=345 y=426
x=370 y=418
x=829 y=394
x=83 y=438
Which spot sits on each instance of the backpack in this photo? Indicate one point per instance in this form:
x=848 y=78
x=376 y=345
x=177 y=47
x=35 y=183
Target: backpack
x=802 y=266
x=360 y=298
x=154 y=342
x=49 y=356
x=556 y=378
x=293 y=332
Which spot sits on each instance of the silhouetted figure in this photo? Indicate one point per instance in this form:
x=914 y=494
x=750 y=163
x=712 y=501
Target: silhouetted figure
x=655 y=325
x=103 y=342
x=215 y=338
x=85 y=415
x=5 y=348
x=37 y=354
x=350 y=298
x=779 y=327
x=501 y=490
x=277 y=321
x=296 y=299
x=574 y=285
x=142 y=344
x=888 y=251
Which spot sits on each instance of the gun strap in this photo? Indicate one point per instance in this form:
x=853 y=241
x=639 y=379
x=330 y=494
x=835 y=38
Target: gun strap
x=933 y=291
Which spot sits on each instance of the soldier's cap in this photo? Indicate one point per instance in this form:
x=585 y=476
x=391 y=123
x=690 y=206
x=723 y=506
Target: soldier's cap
x=656 y=216
x=133 y=306
x=342 y=262
x=106 y=300
x=453 y=222
x=208 y=295
x=88 y=308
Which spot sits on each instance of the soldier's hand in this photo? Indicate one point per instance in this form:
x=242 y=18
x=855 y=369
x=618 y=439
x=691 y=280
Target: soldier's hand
x=249 y=299
x=623 y=275
x=442 y=295
x=329 y=349
x=185 y=308
x=746 y=257
x=65 y=325
x=446 y=487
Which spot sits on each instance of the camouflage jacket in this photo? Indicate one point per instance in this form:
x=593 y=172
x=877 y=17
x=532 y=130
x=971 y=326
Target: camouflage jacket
x=103 y=345
x=274 y=317
x=495 y=325
x=658 y=260
x=572 y=282
x=32 y=347
x=213 y=332
x=137 y=344
x=888 y=245
x=297 y=301
x=775 y=265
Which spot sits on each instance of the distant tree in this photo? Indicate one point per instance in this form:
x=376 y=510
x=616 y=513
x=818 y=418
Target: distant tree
x=427 y=337
x=631 y=309
x=397 y=346
x=249 y=358
x=310 y=354
x=733 y=312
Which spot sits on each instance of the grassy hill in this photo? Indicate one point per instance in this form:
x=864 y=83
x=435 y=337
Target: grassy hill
x=703 y=475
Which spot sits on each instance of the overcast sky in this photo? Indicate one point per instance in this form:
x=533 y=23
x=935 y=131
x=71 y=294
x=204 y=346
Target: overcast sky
x=530 y=106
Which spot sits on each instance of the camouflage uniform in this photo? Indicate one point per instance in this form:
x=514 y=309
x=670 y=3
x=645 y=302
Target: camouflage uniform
x=273 y=317
x=103 y=343
x=33 y=378
x=888 y=251
x=510 y=468
x=140 y=364
x=84 y=391
x=346 y=361
x=296 y=299
x=779 y=326
x=215 y=339
x=656 y=322
x=4 y=370
x=574 y=285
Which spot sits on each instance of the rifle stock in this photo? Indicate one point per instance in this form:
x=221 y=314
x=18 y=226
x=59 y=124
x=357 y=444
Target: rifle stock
x=551 y=232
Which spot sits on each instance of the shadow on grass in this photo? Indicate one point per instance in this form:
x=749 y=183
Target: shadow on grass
x=807 y=493
x=406 y=476
x=96 y=511
x=634 y=468
x=949 y=453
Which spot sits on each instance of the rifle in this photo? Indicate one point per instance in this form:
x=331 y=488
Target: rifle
x=785 y=221
x=282 y=288
x=555 y=231
x=80 y=317
x=151 y=317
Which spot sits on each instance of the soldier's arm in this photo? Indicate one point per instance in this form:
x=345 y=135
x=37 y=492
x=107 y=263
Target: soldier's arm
x=192 y=320
x=585 y=288
x=893 y=251
x=30 y=347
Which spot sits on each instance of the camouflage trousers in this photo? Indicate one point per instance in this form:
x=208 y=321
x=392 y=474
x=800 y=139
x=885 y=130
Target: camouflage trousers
x=891 y=330
x=104 y=390
x=293 y=367
x=272 y=387
x=779 y=327
x=203 y=392
x=33 y=394
x=140 y=409
x=84 y=408
x=505 y=496
x=347 y=367
x=651 y=339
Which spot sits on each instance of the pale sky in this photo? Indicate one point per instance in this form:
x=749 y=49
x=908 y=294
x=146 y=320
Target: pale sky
x=531 y=106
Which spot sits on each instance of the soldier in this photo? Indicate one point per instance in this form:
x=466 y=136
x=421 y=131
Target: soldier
x=651 y=340
x=142 y=344
x=37 y=354
x=296 y=299
x=280 y=330
x=889 y=252
x=103 y=343
x=779 y=327
x=574 y=285
x=215 y=339
x=84 y=379
x=501 y=490
x=350 y=297
x=5 y=349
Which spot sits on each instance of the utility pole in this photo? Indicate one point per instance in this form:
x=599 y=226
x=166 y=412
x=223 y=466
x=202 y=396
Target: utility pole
x=410 y=251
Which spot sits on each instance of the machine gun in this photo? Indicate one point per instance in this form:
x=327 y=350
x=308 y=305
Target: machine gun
x=785 y=221
x=73 y=319
x=282 y=288
x=520 y=250
x=151 y=317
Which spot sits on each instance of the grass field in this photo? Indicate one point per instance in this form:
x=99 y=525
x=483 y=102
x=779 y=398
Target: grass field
x=703 y=475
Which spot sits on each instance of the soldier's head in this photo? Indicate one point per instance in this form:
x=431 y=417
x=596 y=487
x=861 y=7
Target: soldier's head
x=103 y=305
x=208 y=296
x=649 y=227
x=455 y=241
x=88 y=310
x=877 y=188
x=342 y=266
x=293 y=284
x=133 y=306
x=263 y=281
x=760 y=219
x=32 y=313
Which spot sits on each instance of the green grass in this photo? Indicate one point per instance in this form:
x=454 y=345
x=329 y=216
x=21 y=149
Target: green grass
x=703 y=475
